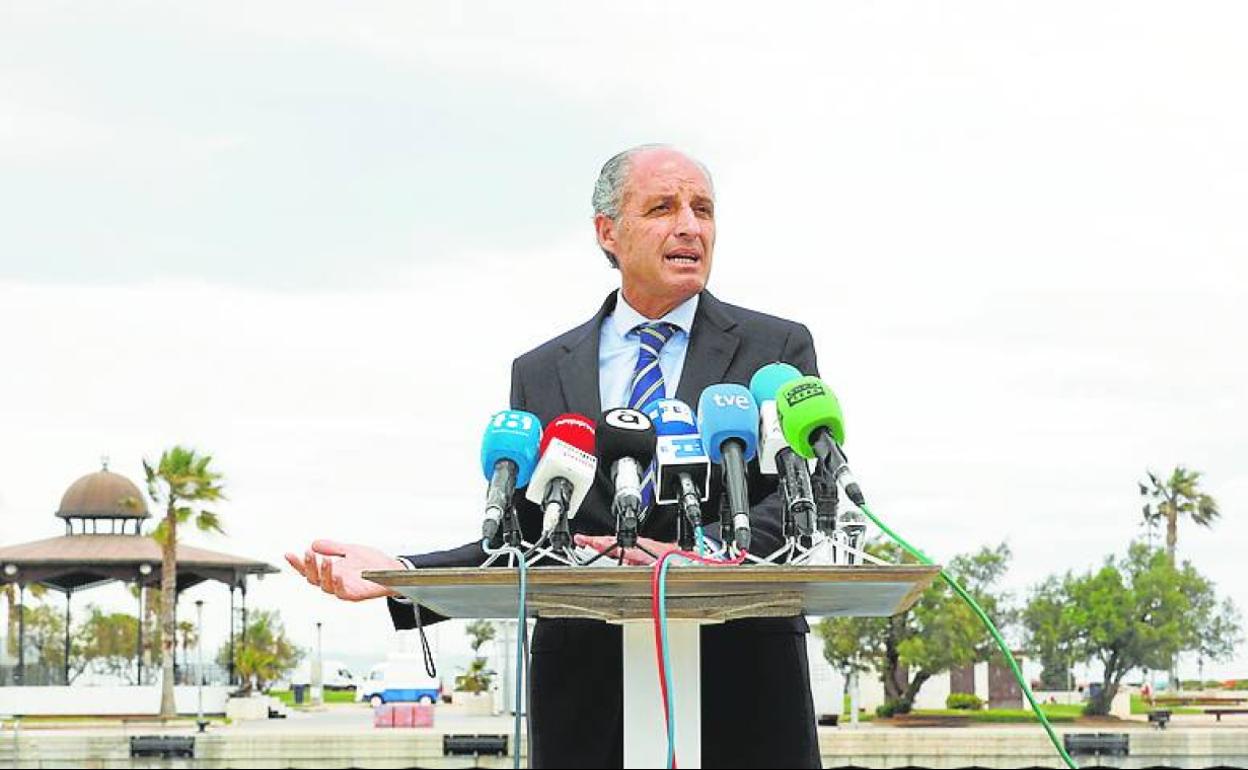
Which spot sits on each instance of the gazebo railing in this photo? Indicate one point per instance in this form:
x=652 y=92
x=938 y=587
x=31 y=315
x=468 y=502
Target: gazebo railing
x=32 y=675
x=42 y=675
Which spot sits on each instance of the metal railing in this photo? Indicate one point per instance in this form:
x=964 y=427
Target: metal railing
x=42 y=675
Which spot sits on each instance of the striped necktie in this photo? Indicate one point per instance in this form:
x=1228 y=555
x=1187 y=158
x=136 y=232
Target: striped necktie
x=648 y=384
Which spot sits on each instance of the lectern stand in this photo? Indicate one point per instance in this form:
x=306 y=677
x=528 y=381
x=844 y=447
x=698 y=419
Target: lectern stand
x=696 y=595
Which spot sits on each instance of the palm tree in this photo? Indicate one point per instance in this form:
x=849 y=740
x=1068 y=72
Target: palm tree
x=188 y=638
x=181 y=479
x=1173 y=497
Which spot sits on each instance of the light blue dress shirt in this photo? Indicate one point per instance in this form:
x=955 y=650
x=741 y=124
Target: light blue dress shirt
x=619 y=345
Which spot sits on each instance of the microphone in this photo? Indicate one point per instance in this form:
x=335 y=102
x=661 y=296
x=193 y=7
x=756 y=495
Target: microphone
x=684 y=471
x=508 y=454
x=564 y=474
x=813 y=423
x=775 y=456
x=728 y=419
x=626 y=448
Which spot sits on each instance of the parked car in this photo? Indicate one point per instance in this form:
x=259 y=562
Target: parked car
x=400 y=679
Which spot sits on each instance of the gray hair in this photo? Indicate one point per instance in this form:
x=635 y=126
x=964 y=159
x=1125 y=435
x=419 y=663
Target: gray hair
x=609 y=189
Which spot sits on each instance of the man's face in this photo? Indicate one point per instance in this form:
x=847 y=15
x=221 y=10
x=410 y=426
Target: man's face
x=664 y=235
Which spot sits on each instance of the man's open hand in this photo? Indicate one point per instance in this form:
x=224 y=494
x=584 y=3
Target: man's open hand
x=338 y=569
x=633 y=556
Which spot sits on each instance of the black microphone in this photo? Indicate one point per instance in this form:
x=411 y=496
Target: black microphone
x=625 y=447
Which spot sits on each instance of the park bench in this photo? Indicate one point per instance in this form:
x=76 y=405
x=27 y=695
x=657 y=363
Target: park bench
x=162 y=746
x=1159 y=717
x=1218 y=712
x=1098 y=744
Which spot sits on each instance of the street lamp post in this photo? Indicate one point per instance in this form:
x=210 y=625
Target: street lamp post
x=318 y=694
x=144 y=571
x=199 y=663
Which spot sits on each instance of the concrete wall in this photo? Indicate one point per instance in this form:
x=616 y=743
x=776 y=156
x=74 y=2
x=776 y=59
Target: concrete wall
x=106 y=701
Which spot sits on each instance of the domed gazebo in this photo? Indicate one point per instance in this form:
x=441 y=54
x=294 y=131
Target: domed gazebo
x=104 y=514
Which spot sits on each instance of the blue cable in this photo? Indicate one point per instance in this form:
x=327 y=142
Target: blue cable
x=522 y=632
x=667 y=660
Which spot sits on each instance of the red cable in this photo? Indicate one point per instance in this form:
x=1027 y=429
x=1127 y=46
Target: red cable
x=658 y=630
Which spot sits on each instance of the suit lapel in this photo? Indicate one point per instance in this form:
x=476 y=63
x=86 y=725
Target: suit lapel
x=711 y=348
x=578 y=369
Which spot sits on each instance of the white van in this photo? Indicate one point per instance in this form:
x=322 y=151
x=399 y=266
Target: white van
x=400 y=679
x=334 y=676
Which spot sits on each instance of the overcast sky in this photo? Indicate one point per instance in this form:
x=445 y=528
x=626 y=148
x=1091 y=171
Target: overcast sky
x=309 y=239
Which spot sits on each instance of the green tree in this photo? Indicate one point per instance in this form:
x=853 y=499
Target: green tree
x=477 y=677
x=181 y=482
x=1176 y=496
x=938 y=633
x=264 y=654
x=1138 y=611
x=108 y=642
x=34 y=591
x=1049 y=635
x=45 y=641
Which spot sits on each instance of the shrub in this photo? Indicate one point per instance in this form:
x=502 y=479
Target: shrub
x=887 y=709
x=964 y=701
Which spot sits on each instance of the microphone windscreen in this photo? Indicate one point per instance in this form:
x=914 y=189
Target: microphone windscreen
x=726 y=412
x=672 y=417
x=572 y=429
x=806 y=405
x=769 y=379
x=512 y=435
x=624 y=433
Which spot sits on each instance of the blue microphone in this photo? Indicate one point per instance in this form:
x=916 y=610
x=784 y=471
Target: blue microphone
x=776 y=457
x=508 y=455
x=683 y=472
x=728 y=422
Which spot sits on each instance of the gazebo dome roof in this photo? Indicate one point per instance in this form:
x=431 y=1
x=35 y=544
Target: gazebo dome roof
x=103 y=495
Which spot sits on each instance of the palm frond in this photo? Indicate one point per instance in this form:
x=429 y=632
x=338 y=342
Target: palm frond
x=207 y=521
x=161 y=533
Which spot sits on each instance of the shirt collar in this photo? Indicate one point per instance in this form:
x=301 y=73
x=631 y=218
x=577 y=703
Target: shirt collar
x=625 y=318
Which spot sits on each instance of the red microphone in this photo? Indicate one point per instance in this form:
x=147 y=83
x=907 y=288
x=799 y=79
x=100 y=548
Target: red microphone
x=575 y=429
x=564 y=474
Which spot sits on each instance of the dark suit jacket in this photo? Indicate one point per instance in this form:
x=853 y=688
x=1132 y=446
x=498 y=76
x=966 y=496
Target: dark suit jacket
x=576 y=690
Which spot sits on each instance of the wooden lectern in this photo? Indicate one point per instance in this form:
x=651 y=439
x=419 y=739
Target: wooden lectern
x=695 y=595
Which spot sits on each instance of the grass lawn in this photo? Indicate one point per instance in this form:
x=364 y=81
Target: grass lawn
x=331 y=696
x=1056 y=712
x=1140 y=706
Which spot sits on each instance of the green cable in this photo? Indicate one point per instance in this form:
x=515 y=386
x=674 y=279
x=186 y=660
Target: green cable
x=992 y=629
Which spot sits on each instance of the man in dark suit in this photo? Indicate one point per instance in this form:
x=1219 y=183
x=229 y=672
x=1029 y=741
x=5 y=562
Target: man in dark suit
x=655 y=221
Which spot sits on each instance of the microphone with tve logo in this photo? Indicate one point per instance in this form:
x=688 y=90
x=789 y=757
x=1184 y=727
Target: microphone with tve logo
x=776 y=457
x=564 y=474
x=508 y=455
x=728 y=422
x=625 y=449
x=812 y=422
x=684 y=471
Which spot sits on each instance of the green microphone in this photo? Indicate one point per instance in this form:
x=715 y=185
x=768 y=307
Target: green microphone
x=814 y=426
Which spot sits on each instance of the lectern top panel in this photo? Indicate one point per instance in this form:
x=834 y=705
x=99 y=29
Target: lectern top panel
x=623 y=593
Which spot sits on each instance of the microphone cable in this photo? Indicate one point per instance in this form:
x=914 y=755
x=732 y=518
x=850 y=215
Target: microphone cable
x=522 y=643
x=658 y=607
x=992 y=630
